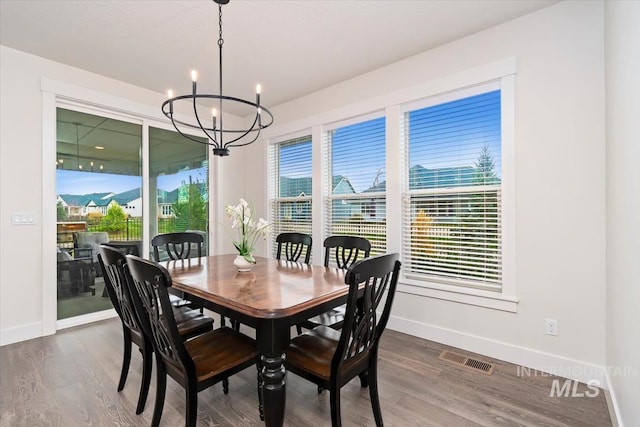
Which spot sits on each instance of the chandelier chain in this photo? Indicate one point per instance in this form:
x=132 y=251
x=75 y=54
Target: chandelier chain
x=220 y=39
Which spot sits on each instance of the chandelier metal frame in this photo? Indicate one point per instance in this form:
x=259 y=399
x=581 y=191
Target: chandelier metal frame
x=216 y=133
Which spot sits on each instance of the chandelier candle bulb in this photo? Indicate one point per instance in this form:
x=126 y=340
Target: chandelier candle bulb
x=214 y=113
x=170 y=95
x=194 y=80
x=258 y=91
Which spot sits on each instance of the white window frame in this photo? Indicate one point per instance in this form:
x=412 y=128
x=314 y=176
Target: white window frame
x=65 y=95
x=273 y=170
x=392 y=103
x=504 y=299
x=329 y=198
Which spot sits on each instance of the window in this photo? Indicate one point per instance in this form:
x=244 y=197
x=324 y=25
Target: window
x=437 y=159
x=452 y=229
x=356 y=202
x=98 y=183
x=291 y=182
x=179 y=177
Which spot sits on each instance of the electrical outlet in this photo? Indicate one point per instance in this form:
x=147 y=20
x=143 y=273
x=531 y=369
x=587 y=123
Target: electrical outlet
x=551 y=327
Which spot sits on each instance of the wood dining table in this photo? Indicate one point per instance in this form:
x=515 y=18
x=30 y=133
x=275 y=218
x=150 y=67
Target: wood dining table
x=274 y=296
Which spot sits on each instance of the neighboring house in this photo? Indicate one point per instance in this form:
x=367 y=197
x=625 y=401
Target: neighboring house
x=166 y=199
x=301 y=188
x=130 y=201
x=346 y=208
x=77 y=205
x=295 y=188
x=445 y=209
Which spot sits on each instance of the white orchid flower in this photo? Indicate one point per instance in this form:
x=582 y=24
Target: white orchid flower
x=264 y=227
x=242 y=219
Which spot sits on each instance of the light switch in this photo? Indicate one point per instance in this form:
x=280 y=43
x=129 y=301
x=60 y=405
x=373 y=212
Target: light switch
x=23 y=219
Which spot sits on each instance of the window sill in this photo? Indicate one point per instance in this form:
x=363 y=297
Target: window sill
x=480 y=298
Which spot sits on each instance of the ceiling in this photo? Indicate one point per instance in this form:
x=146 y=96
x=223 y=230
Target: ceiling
x=292 y=47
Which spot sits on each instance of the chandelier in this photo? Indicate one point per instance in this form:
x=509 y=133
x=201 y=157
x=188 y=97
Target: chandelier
x=220 y=138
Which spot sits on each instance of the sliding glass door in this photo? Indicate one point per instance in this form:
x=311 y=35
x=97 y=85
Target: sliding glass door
x=99 y=200
x=99 y=197
x=179 y=178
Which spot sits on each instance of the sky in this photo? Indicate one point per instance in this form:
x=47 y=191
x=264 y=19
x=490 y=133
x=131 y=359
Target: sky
x=446 y=135
x=451 y=134
x=85 y=182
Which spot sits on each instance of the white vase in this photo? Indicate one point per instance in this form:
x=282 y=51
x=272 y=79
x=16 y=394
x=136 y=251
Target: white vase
x=242 y=264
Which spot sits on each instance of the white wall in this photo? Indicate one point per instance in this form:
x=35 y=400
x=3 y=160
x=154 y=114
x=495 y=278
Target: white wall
x=560 y=185
x=623 y=203
x=22 y=178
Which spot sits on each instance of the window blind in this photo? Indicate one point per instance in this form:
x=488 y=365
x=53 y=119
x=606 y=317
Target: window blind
x=452 y=203
x=291 y=180
x=356 y=201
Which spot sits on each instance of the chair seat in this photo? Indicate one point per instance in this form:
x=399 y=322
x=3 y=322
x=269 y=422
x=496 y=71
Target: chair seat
x=176 y=301
x=191 y=322
x=215 y=353
x=313 y=350
x=333 y=318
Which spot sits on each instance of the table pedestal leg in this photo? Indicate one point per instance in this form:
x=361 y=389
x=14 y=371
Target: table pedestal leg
x=273 y=389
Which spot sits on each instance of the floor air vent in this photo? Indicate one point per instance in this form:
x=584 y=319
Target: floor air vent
x=467 y=362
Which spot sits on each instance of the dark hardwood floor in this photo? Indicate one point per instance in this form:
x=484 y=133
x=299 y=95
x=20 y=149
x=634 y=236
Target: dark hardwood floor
x=70 y=379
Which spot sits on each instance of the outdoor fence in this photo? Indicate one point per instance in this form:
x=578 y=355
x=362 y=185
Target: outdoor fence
x=132 y=228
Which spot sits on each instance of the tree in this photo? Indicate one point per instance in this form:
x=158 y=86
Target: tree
x=485 y=169
x=421 y=232
x=191 y=212
x=61 y=213
x=115 y=220
x=94 y=219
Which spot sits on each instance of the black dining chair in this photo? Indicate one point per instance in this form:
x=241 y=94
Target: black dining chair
x=176 y=246
x=195 y=364
x=182 y=245
x=292 y=245
x=189 y=322
x=341 y=251
x=331 y=358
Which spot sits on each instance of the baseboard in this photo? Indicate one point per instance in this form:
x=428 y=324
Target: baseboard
x=612 y=404
x=86 y=318
x=34 y=330
x=525 y=357
x=20 y=333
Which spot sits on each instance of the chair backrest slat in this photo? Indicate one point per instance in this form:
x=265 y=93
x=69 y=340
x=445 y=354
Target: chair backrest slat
x=177 y=245
x=346 y=250
x=291 y=245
